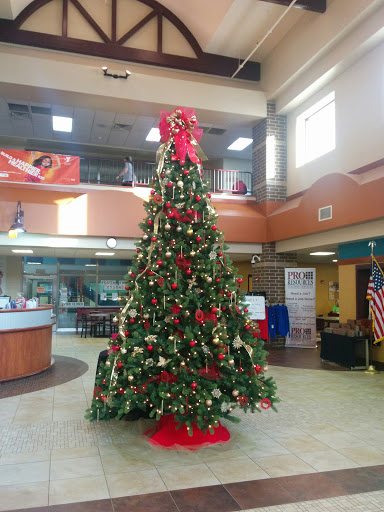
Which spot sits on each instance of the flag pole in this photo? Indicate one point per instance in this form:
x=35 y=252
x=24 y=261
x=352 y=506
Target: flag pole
x=371 y=368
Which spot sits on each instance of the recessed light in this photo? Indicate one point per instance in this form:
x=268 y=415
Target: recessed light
x=104 y=253
x=25 y=251
x=33 y=263
x=320 y=253
x=62 y=124
x=240 y=144
x=334 y=261
x=90 y=264
x=153 y=135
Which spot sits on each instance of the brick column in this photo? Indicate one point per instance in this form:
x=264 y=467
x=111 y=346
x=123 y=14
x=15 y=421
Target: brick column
x=269 y=162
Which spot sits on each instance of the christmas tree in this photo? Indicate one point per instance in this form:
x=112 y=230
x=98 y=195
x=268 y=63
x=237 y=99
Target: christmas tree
x=186 y=351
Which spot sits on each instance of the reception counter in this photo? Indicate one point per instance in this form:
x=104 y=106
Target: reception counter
x=25 y=341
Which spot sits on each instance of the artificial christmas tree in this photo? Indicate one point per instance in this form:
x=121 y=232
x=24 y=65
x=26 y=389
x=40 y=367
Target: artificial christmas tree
x=186 y=352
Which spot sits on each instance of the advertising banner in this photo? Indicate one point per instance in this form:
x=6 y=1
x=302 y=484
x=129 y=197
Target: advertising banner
x=38 y=167
x=300 y=299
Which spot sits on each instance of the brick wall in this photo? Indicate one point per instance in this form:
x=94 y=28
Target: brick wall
x=269 y=160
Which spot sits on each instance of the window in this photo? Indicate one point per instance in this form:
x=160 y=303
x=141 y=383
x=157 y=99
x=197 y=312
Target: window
x=315 y=131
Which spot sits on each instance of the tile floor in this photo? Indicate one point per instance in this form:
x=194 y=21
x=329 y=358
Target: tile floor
x=323 y=450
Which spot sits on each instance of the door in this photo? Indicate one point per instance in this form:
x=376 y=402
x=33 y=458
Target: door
x=42 y=287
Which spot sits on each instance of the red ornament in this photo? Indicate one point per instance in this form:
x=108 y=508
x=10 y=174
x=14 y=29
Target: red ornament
x=189 y=211
x=131 y=320
x=218 y=281
x=147 y=325
x=265 y=403
x=214 y=309
x=198 y=239
x=223 y=308
x=160 y=281
x=176 y=321
x=149 y=348
x=149 y=222
x=192 y=343
x=127 y=287
x=159 y=262
x=258 y=369
x=221 y=356
x=151 y=273
x=243 y=400
x=169 y=184
x=240 y=280
x=245 y=310
x=189 y=271
x=220 y=253
x=247 y=327
x=103 y=398
x=137 y=249
x=126 y=333
x=209 y=195
x=213 y=228
x=185 y=172
x=168 y=205
x=153 y=239
x=194 y=385
x=174 y=286
x=199 y=315
x=154 y=301
x=153 y=192
x=198 y=198
x=119 y=364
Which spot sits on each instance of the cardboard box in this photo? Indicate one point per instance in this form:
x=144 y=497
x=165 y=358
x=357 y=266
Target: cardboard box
x=334 y=326
x=351 y=333
x=341 y=331
x=328 y=330
x=345 y=326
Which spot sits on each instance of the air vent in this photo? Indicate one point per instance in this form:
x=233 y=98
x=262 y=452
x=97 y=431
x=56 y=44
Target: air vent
x=20 y=116
x=46 y=111
x=325 y=213
x=16 y=107
x=212 y=131
x=125 y=127
x=216 y=131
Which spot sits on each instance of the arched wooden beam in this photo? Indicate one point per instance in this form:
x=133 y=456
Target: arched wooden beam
x=29 y=10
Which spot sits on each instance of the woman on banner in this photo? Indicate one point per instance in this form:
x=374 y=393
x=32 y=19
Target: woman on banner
x=44 y=164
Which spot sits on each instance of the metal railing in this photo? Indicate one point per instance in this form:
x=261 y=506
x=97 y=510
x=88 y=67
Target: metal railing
x=104 y=171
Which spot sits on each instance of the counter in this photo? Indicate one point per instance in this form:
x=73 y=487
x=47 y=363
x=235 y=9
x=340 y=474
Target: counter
x=25 y=341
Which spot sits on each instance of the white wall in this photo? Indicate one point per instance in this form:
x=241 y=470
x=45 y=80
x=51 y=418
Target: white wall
x=359 y=123
x=14 y=275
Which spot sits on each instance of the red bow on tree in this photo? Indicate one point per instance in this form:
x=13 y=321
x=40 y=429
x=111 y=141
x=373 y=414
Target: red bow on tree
x=182 y=263
x=182 y=125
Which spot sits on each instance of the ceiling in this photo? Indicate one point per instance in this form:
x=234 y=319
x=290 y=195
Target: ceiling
x=231 y=28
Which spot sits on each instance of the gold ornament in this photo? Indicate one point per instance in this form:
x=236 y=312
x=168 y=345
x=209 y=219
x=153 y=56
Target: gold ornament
x=209 y=279
x=140 y=256
x=146 y=315
x=189 y=231
x=182 y=196
x=216 y=340
x=182 y=364
x=168 y=254
x=154 y=209
x=235 y=393
x=180 y=184
x=208 y=403
x=167 y=227
x=192 y=253
x=108 y=363
x=231 y=362
x=145 y=237
x=131 y=378
x=168 y=172
x=179 y=229
x=151 y=283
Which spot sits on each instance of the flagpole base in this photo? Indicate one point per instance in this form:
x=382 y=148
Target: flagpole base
x=371 y=370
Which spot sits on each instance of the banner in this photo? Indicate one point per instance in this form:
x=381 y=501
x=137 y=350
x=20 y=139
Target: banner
x=300 y=299
x=38 y=167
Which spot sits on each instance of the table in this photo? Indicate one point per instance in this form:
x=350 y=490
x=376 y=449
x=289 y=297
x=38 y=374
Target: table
x=325 y=321
x=98 y=316
x=342 y=349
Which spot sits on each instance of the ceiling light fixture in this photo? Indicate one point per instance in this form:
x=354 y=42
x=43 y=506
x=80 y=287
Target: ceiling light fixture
x=25 y=251
x=320 y=253
x=115 y=75
x=62 y=124
x=240 y=144
x=104 y=253
x=18 y=224
x=153 y=135
x=90 y=264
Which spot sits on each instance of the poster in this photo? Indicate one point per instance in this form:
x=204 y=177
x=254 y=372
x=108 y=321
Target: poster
x=300 y=299
x=38 y=167
x=256 y=306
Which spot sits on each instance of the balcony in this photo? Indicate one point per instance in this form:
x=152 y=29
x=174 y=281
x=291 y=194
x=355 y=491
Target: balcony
x=104 y=171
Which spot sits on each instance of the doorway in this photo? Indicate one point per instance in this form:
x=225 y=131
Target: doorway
x=42 y=287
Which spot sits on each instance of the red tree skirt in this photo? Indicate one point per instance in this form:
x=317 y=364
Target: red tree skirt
x=167 y=436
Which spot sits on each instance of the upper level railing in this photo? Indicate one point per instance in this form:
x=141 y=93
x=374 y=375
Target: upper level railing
x=104 y=171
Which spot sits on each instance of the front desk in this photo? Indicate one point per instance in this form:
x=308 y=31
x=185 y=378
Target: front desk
x=344 y=350
x=25 y=341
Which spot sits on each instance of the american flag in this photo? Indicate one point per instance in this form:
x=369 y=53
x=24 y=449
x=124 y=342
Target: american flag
x=375 y=294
